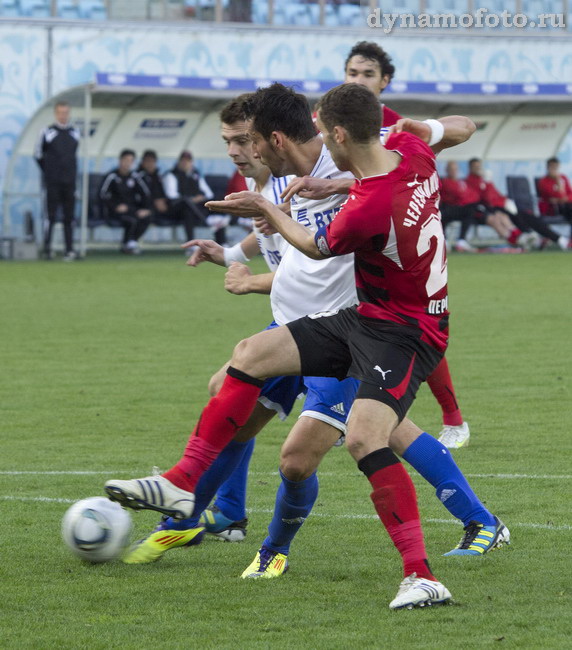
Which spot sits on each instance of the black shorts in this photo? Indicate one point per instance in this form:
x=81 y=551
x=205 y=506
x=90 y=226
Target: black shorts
x=389 y=359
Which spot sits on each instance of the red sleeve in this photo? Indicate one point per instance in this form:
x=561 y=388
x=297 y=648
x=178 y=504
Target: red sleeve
x=449 y=193
x=493 y=197
x=568 y=188
x=389 y=117
x=236 y=184
x=409 y=145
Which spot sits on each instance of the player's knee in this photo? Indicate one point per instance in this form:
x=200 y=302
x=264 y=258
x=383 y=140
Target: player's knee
x=244 y=356
x=356 y=446
x=215 y=383
x=296 y=466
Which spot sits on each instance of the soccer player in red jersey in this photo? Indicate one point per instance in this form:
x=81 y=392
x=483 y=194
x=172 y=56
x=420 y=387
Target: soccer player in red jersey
x=369 y=65
x=555 y=192
x=517 y=226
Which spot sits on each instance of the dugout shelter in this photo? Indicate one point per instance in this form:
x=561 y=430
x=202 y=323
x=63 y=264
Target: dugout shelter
x=515 y=122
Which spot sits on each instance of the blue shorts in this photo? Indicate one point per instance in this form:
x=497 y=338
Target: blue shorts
x=330 y=400
x=327 y=399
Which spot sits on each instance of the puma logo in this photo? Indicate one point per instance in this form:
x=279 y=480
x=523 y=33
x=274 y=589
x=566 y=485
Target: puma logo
x=414 y=182
x=383 y=372
x=234 y=424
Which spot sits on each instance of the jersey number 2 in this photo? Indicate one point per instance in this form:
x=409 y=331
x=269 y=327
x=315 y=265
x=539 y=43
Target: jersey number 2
x=432 y=228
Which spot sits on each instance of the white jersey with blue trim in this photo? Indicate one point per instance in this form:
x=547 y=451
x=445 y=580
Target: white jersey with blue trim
x=272 y=247
x=304 y=286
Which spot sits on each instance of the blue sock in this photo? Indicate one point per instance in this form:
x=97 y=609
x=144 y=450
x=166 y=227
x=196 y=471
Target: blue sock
x=231 y=496
x=435 y=464
x=294 y=502
x=210 y=482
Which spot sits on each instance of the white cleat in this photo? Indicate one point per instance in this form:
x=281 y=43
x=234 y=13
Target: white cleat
x=563 y=243
x=455 y=437
x=463 y=246
x=152 y=493
x=420 y=592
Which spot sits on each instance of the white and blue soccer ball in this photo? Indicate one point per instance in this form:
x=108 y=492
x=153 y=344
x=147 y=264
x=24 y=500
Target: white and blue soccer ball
x=96 y=529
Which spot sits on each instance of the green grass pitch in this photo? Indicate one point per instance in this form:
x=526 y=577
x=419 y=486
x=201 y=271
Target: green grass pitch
x=103 y=369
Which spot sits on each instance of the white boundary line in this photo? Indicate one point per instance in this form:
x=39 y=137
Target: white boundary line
x=561 y=527
x=555 y=477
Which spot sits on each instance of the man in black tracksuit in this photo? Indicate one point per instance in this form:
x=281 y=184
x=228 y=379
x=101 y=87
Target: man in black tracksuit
x=55 y=153
x=148 y=172
x=127 y=198
x=187 y=192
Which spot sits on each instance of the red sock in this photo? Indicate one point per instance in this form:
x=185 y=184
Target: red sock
x=441 y=386
x=395 y=502
x=514 y=235
x=219 y=422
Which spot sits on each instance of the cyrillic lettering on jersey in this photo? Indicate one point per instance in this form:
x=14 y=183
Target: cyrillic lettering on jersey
x=421 y=193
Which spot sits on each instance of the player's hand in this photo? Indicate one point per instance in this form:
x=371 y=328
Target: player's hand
x=142 y=214
x=420 y=129
x=207 y=251
x=263 y=225
x=122 y=208
x=308 y=187
x=161 y=205
x=242 y=204
x=236 y=279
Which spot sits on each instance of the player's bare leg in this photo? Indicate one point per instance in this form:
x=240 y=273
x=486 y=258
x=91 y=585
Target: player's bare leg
x=307 y=443
x=370 y=426
x=268 y=354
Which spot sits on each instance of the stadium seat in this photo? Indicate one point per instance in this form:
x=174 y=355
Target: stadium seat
x=35 y=8
x=218 y=184
x=92 y=10
x=518 y=189
x=350 y=15
x=455 y=7
x=260 y=12
x=68 y=9
x=9 y=9
x=296 y=13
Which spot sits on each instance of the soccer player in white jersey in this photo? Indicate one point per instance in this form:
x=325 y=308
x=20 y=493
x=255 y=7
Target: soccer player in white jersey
x=301 y=151
x=327 y=402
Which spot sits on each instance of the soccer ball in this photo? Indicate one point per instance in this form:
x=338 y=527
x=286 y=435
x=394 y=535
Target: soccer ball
x=96 y=529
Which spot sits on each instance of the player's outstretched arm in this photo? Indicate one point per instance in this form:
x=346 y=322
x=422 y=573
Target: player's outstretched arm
x=254 y=204
x=209 y=251
x=315 y=189
x=240 y=280
x=456 y=129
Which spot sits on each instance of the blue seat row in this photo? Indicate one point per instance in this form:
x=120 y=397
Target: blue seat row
x=80 y=10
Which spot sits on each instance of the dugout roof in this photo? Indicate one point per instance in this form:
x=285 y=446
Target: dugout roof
x=169 y=113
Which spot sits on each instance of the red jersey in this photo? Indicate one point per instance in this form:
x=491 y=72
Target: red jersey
x=236 y=184
x=388 y=117
x=393 y=225
x=550 y=188
x=458 y=192
x=488 y=193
